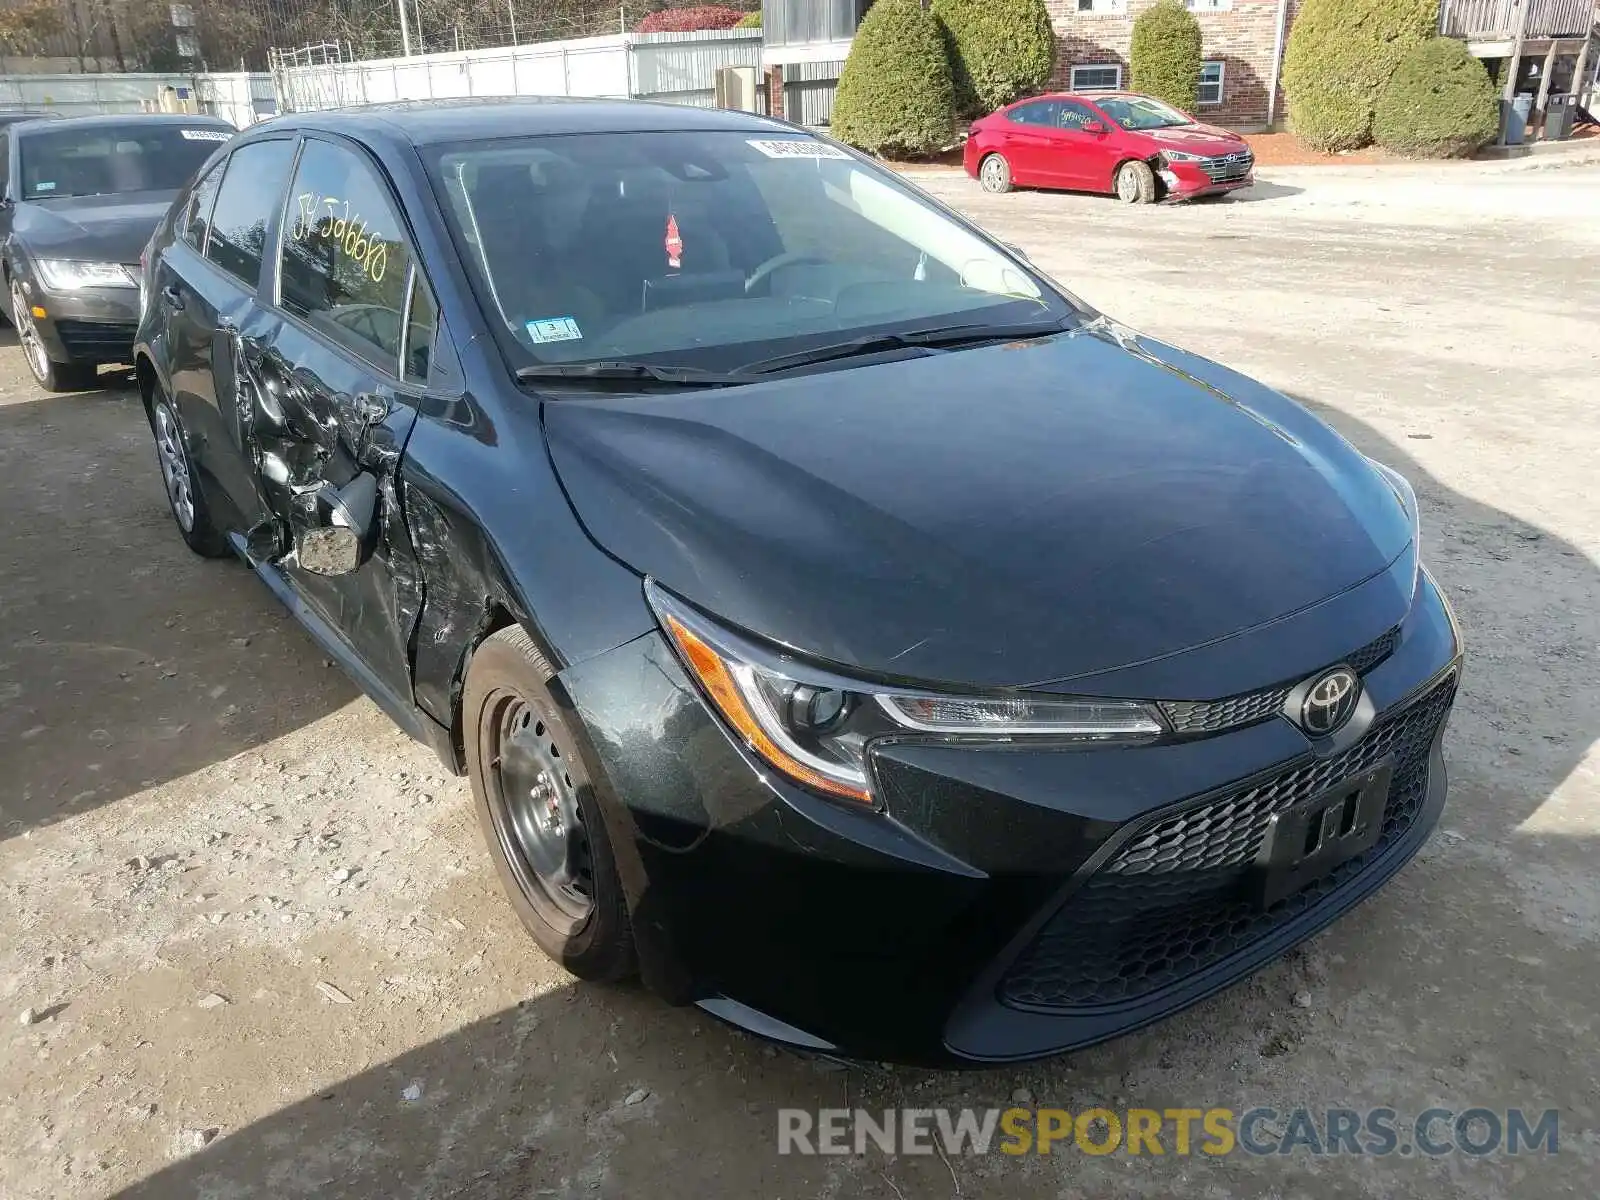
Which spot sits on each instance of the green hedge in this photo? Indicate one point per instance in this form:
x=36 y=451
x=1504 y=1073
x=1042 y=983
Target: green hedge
x=1341 y=55
x=895 y=95
x=999 y=50
x=1165 y=54
x=751 y=20
x=1439 y=103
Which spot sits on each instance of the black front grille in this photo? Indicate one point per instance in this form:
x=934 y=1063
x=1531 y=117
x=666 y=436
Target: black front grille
x=1225 y=168
x=1213 y=716
x=1170 y=902
x=103 y=341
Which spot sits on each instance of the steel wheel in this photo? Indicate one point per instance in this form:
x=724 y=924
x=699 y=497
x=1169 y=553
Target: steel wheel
x=174 y=467
x=1127 y=186
x=28 y=333
x=994 y=174
x=537 y=820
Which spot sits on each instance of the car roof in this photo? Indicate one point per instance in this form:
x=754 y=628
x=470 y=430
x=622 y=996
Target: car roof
x=427 y=122
x=137 y=120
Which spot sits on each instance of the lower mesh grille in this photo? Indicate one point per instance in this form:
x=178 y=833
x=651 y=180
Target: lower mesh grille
x=1169 y=903
x=111 y=341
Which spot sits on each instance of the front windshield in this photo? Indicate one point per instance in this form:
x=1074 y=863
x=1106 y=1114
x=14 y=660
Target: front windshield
x=108 y=159
x=1141 y=112
x=712 y=249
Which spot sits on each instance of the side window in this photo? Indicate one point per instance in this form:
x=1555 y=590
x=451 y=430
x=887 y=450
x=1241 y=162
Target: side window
x=345 y=260
x=251 y=189
x=421 y=325
x=1040 y=112
x=196 y=216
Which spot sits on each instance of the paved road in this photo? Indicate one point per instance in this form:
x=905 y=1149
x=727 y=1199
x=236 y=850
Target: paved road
x=154 y=705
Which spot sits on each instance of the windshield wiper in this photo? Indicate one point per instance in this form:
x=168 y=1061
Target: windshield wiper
x=627 y=371
x=944 y=337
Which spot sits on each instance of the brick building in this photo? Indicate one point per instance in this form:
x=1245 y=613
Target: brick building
x=1241 y=48
x=806 y=42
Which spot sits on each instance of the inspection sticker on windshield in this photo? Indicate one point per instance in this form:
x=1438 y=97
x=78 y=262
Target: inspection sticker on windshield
x=203 y=135
x=796 y=148
x=554 y=329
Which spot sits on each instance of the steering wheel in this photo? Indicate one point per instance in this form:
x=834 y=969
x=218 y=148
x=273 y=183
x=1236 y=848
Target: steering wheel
x=788 y=258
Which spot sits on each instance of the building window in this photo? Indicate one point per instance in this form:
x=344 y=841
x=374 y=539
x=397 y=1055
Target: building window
x=1102 y=6
x=1210 y=91
x=1209 y=5
x=1097 y=77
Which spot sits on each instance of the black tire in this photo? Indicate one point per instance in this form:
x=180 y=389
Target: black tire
x=994 y=174
x=512 y=724
x=52 y=376
x=186 y=499
x=1136 y=183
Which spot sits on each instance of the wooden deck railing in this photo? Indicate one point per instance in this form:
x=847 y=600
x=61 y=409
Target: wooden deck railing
x=1498 y=18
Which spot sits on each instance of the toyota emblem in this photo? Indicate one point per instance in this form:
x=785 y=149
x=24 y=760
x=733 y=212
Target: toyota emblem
x=1330 y=701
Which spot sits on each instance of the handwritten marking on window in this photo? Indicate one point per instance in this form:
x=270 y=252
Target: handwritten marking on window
x=341 y=227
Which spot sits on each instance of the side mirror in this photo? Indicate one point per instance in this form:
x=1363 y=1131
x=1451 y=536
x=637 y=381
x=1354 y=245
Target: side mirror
x=1093 y=127
x=343 y=544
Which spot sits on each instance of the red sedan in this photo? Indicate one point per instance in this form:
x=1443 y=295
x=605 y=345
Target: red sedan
x=1120 y=142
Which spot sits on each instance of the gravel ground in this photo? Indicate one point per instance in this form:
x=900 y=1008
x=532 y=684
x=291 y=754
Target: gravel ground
x=250 y=944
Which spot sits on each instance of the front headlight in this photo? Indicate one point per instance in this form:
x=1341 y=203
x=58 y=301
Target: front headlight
x=65 y=275
x=1181 y=156
x=814 y=725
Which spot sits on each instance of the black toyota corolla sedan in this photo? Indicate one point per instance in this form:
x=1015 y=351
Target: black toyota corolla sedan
x=843 y=626
x=78 y=200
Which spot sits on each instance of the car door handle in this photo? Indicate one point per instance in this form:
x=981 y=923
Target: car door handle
x=172 y=297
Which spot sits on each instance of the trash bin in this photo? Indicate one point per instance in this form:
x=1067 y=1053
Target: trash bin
x=1558 y=117
x=1514 y=119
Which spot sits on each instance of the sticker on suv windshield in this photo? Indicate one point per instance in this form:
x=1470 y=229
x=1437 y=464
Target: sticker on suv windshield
x=203 y=135
x=796 y=148
x=553 y=329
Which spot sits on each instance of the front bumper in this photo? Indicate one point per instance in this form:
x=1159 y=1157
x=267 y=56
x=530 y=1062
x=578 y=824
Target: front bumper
x=1186 y=180
x=995 y=908
x=86 y=325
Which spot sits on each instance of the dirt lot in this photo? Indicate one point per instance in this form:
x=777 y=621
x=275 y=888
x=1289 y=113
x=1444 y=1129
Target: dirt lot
x=248 y=916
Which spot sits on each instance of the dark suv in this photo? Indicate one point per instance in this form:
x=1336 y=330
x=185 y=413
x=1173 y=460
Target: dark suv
x=81 y=197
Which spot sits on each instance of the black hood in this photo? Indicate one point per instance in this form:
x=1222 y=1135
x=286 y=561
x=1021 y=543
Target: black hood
x=1003 y=516
x=91 y=228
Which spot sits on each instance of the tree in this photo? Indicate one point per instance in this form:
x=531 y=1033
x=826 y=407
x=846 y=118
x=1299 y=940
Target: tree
x=1440 y=103
x=685 y=20
x=1341 y=54
x=999 y=50
x=895 y=95
x=1165 y=54
x=24 y=27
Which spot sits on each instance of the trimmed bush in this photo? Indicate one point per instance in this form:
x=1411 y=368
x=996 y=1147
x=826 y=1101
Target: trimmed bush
x=1439 y=103
x=686 y=20
x=751 y=20
x=895 y=96
x=1000 y=50
x=1341 y=55
x=1165 y=54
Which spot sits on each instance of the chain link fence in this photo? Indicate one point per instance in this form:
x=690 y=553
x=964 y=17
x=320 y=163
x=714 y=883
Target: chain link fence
x=225 y=35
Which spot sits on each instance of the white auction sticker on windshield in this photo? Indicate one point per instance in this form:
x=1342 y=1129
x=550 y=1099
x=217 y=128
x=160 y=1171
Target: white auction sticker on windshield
x=204 y=135
x=795 y=148
x=553 y=329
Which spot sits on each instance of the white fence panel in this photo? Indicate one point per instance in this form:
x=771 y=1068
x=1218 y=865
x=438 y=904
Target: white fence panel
x=242 y=97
